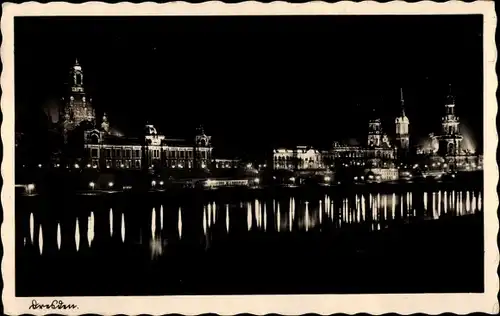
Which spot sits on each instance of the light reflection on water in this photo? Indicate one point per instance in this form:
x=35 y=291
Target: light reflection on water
x=373 y=211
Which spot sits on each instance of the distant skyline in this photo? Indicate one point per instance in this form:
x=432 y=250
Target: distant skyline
x=258 y=82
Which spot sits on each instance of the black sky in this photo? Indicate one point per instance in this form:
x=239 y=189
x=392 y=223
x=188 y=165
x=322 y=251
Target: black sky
x=256 y=82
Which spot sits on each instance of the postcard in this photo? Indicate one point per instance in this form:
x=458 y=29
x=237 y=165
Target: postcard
x=249 y=158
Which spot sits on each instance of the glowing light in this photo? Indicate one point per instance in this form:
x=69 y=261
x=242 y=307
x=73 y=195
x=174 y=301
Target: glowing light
x=58 y=236
x=40 y=239
x=90 y=228
x=88 y=165
x=257 y=180
x=179 y=223
x=123 y=228
x=91 y=185
x=153 y=183
x=110 y=184
x=111 y=222
x=292 y=179
x=161 y=182
x=161 y=217
x=327 y=179
x=32 y=227
x=227 y=218
x=77 y=235
x=77 y=166
x=31 y=187
x=153 y=222
x=122 y=166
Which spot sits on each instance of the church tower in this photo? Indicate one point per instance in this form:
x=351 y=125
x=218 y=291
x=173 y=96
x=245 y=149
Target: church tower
x=450 y=139
x=78 y=109
x=374 y=131
x=402 y=128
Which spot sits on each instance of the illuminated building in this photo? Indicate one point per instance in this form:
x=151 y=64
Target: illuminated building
x=227 y=163
x=402 y=129
x=377 y=156
x=300 y=158
x=105 y=147
x=450 y=139
x=78 y=109
x=156 y=150
x=448 y=148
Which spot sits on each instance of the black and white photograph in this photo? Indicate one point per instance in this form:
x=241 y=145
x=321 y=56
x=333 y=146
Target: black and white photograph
x=249 y=155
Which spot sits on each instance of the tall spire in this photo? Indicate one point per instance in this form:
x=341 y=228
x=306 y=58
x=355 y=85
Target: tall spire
x=402 y=103
x=201 y=129
x=450 y=97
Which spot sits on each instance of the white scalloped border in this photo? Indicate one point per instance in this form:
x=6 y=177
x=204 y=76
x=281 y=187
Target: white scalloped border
x=259 y=304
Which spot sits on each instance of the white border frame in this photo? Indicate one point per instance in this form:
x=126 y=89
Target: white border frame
x=258 y=304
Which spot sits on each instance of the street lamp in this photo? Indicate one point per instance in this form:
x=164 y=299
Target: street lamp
x=91 y=185
x=30 y=187
x=110 y=184
x=153 y=183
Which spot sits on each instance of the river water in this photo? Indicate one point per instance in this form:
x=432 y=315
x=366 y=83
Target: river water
x=412 y=239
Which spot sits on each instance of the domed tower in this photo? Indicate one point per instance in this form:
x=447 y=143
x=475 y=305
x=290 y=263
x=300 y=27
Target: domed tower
x=374 y=131
x=78 y=109
x=450 y=140
x=202 y=149
x=402 y=128
x=105 y=124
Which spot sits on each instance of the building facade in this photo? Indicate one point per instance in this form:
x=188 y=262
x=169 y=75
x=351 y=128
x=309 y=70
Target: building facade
x=377 y=153
x=450 y=139
x=78 y=109
x=402 y=124
x=300 y=158
x=153 y=149
x=446 y=147
x=106 y=149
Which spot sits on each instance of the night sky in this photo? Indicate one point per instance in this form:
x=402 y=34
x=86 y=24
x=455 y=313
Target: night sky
x=256 y=82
